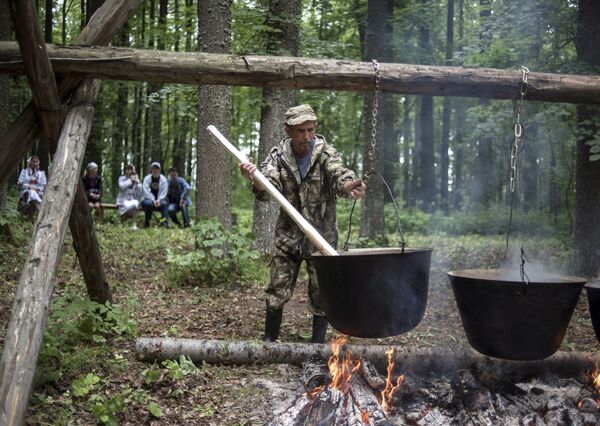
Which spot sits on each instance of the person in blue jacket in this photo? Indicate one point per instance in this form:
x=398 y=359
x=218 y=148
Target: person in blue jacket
x=178 y=197
x=155 y=188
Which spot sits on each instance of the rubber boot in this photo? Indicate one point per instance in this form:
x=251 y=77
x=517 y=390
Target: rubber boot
x=319 y=329
x=272 y=324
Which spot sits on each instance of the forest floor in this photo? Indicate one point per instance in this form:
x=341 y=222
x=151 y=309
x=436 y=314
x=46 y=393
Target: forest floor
x=84 y=381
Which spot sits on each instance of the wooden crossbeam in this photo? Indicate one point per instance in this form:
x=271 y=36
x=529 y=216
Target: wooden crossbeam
x=305 y=73
x=101 y=28
x=51 y=117
x=32 y=301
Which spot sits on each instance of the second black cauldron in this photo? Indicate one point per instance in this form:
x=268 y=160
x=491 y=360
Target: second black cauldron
x=504 y=317
x=374 y=292
x=593 y=294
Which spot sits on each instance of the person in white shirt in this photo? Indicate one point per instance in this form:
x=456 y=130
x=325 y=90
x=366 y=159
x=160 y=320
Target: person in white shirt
x=130 y=193
x=32 y=184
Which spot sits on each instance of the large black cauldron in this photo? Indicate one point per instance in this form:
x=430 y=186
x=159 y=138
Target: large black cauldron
x=506 y=318
x=593 y=294
x=374 y=292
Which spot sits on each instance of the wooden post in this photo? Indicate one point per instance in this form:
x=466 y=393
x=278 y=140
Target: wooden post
x=30 y=311
x=103 y=25
x=50 y=113
x=306 y=73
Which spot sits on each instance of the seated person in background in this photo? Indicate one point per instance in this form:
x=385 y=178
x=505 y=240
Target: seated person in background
x=92 y=183
x=155 y=195
x=178 y=198
x=130 y=193
x=31 y=183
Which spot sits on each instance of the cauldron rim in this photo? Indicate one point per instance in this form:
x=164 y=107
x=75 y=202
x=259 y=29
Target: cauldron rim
x=372 y=251
x=492 y=276
x=592 y=286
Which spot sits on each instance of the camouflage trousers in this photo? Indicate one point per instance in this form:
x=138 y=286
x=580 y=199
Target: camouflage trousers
x=284 y=273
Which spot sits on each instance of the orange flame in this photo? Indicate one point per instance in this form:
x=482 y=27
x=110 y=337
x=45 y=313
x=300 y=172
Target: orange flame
x=341 y=366
x=388 y=393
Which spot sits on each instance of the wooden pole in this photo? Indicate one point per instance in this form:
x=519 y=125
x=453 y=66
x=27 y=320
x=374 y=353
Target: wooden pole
x=30 y=311
x=103 y=25
x=309 y=230
x=306 y=73
x=51 y=117
x=423 y=362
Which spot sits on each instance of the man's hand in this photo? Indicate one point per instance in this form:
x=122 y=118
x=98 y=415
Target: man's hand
x=355 y=188
x=156 y=203
x=248 y=169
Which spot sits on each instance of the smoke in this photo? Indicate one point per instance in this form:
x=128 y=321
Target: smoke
x=534 y=269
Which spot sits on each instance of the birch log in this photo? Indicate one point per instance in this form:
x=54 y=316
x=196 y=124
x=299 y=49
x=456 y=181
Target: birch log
x=305 y=73
x=423 y=362
x=30 y=310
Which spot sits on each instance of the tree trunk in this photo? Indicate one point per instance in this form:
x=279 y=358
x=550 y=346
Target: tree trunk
x=421 y=362
x=587 y=195
x=32 y=301
x=95 y=141
x=119 y=136
x=372 y=221
x=529 y=169
x=42 y=150
x=5 y=34
x=391 y=144
x=482 y=187
x=213 y=163
x=458 y=188
x=427 y=192
x=282 y=39
x=446 y=113
x=406 y=154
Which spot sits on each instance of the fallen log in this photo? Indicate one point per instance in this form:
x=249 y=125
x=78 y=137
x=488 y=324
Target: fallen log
x=305 y=73
x=101 y=28
x=30 y=310
x=51 y=116
x=422 y=362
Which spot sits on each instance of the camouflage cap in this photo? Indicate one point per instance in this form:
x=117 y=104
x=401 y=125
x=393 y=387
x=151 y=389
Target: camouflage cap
x=299 y=114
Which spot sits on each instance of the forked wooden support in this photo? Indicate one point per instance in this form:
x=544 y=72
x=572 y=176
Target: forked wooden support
x=51 y=117
x=32 y=301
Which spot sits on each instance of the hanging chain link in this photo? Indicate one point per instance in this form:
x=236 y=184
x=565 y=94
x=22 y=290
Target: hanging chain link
x=515 y=150
x=372 y=153
x=518 y=128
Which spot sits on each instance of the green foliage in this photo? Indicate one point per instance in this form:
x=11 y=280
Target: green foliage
x=219 y=255
x=76 y=332
x=178 y=370
x=106 y=409
x=84 y=384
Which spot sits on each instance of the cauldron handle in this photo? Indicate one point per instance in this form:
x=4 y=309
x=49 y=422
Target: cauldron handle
x=398 y=227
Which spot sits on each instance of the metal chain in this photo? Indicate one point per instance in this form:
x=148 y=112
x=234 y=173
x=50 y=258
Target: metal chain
x=515 y=150
x=518 y=128
x=372 y=153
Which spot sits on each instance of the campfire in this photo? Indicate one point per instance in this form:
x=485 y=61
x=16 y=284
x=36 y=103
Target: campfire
x=348 y=390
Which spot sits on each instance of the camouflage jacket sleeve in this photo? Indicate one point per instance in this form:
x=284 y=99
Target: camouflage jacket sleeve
x=335 y=171
x=270 y=168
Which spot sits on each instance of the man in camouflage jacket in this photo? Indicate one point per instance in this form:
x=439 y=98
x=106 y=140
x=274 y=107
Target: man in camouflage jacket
x=310 y=174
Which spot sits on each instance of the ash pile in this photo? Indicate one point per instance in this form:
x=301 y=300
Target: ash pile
x=347 y=390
